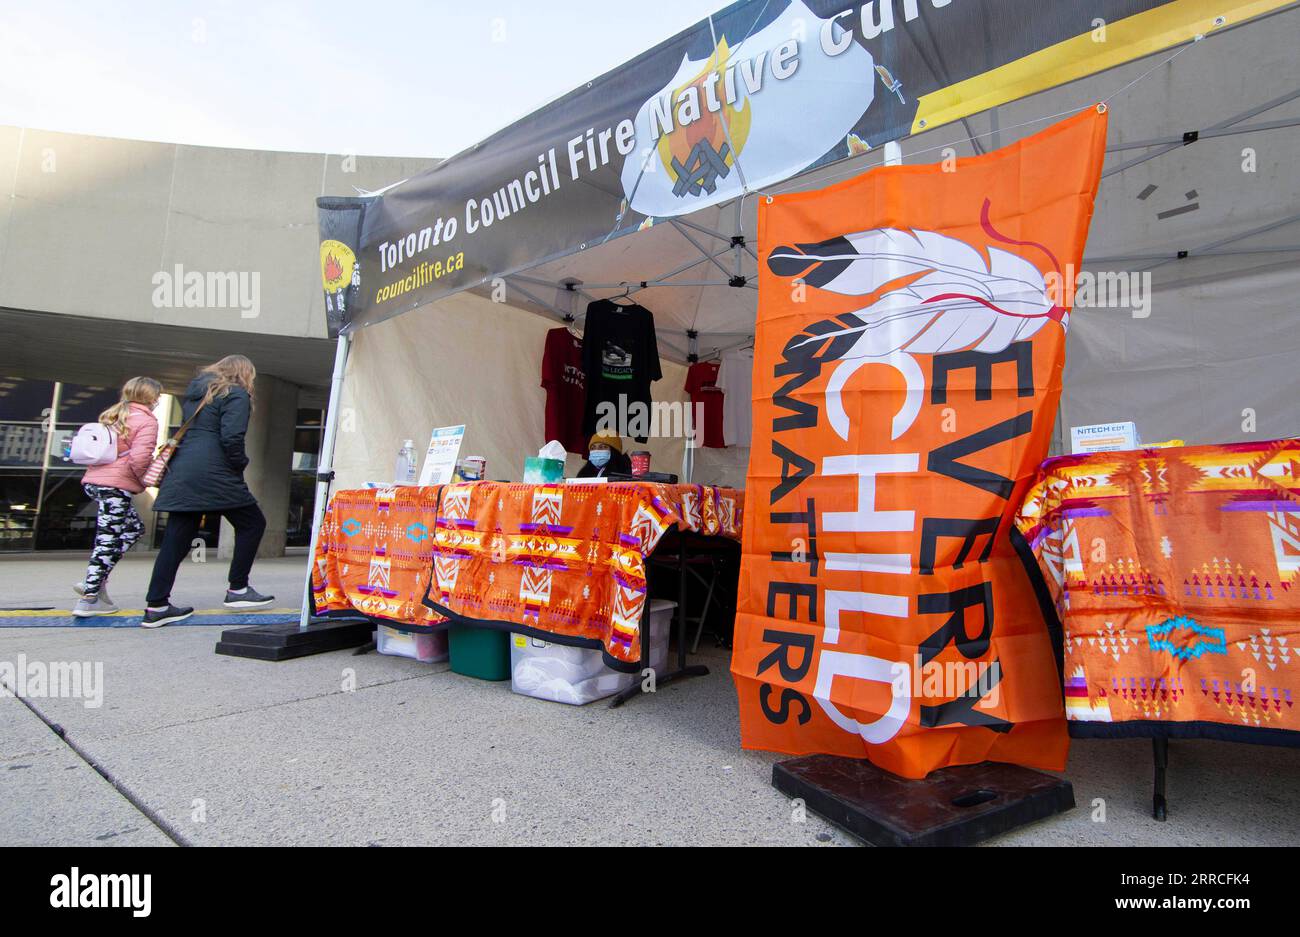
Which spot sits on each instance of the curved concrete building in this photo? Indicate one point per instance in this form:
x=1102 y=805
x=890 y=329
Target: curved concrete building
x=125 y=257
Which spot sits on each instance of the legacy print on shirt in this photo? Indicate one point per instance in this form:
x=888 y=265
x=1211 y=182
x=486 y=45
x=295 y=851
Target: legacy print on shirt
x=620 y=357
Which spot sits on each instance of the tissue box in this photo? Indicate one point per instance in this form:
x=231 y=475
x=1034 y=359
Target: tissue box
x=578 y=675
x=543 y=471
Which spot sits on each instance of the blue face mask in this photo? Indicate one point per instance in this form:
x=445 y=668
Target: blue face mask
x=598 y=457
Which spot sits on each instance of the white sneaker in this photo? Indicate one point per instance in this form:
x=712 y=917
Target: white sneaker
x=105 y=602
x=90 y=606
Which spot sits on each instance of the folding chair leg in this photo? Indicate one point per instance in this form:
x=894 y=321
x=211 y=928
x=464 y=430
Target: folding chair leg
x=704 y=613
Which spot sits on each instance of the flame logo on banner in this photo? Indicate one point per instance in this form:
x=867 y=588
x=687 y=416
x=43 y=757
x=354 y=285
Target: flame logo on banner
x=717 y=132
x=929 y=294
x=336 y=264
x=333 y=269
x=687 y=166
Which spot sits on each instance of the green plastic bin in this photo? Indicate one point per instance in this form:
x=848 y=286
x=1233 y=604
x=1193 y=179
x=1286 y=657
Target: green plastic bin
x=479 y=652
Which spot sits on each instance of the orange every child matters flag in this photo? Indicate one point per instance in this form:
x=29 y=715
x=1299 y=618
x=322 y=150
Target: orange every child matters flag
x=907 y=368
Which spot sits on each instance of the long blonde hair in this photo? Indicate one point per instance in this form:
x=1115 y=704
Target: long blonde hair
x=230 y=371
x=141 y=390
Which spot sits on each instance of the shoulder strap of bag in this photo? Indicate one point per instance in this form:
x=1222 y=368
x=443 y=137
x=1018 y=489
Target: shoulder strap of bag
x=175 y=440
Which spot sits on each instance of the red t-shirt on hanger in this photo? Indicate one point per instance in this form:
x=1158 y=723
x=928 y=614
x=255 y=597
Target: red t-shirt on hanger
x=566 y=389
x=702 y=385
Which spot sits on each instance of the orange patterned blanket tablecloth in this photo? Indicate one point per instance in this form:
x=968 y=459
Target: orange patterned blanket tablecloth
x=1174 y=572
x=565 y=561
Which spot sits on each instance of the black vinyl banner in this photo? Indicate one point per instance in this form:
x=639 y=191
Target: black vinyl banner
x=339 y=221
x=754 y=95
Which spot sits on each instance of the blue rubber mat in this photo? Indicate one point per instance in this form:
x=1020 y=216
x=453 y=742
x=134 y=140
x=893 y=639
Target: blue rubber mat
x=130 y=618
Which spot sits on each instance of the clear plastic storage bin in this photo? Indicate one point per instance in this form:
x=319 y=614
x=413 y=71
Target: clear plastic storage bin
x=428 y=648
x=578 y=675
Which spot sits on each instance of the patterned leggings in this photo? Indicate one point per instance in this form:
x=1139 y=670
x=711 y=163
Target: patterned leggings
x=118 y=527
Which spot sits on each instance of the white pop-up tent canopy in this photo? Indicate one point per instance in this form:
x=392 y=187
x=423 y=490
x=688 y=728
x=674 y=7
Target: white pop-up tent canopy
x=1200 y=196
x=1187 y=330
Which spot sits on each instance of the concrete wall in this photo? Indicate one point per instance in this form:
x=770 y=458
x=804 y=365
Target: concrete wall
x=86 y=223
x=89 y=224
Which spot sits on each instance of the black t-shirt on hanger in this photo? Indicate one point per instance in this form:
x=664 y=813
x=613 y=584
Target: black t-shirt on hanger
x=620 y=357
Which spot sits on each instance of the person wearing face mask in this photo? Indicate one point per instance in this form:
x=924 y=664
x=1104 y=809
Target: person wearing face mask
x=605 y=455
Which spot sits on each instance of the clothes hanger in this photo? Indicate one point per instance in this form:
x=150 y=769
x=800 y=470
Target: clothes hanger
x=627 y=294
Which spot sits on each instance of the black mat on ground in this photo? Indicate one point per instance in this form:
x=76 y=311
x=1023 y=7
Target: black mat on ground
x=287 y=641
x=957 y=806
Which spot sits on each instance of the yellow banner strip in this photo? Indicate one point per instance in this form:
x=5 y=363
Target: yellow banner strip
x=1127 y=39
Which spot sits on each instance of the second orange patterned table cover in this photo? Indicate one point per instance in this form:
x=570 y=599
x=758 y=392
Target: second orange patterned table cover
x=1175 y=575
x=563 y=560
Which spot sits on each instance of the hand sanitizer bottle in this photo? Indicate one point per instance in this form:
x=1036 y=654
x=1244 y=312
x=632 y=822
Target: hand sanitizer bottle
x=404 y=472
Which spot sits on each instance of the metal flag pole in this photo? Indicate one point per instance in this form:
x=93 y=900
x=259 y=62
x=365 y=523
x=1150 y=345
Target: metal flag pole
x=340 y=229
x=325 y=470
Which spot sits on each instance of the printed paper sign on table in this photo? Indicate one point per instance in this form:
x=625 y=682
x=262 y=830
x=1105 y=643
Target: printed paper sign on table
x=906 y=375
x=440 y=459
x=1103 y=437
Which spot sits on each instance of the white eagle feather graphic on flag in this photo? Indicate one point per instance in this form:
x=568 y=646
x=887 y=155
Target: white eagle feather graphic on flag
x=934 y=294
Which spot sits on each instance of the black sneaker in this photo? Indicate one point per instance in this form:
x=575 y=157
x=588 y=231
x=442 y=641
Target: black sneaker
x=249 y=598
x=168 y=616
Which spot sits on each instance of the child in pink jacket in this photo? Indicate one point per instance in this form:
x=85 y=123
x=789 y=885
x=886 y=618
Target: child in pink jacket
x=112 y=485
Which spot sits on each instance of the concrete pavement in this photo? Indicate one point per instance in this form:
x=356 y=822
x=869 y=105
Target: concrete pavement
x=340 y=749
x=53 y=797
x=36 y=581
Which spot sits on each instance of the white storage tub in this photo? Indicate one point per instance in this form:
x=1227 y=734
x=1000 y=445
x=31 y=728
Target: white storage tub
x=578 y=675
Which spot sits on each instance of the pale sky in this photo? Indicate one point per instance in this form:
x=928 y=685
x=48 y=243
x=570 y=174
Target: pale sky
x=387 y=78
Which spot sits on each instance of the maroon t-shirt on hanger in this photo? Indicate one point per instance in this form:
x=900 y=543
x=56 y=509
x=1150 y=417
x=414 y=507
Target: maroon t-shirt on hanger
x=702 y=385
x=566 y=393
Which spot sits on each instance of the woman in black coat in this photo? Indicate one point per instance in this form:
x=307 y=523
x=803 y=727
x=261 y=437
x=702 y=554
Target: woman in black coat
x=206 y=476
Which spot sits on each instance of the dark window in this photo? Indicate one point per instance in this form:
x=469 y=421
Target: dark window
x=306 y=446
x=67 y=514
x=22 y=444
x=302 y=497
x=302 y=481
x=22 y=400
x=18 y=495
x=80 y=404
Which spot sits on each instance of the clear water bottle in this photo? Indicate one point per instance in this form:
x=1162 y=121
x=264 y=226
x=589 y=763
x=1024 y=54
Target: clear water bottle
x=404 y=472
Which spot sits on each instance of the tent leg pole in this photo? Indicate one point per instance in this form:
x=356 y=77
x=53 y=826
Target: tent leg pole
x=325 y=471
x=1159 y=805
x=738 y=241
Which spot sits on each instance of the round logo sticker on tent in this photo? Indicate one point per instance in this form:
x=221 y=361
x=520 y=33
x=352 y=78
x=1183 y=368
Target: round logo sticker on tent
x=336 y=264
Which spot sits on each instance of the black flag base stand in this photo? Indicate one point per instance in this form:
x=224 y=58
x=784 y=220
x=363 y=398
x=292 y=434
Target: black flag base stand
x=287 y=641
x=957 y=806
